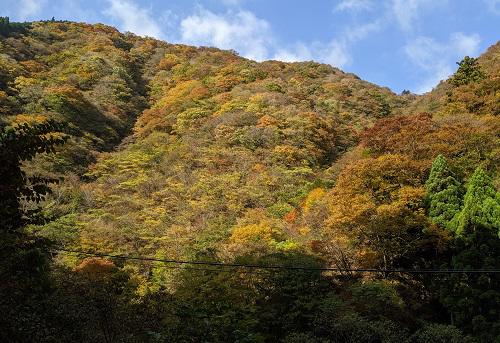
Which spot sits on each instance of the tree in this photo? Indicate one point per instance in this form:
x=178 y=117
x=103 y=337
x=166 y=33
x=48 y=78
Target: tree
x=444 y=194
x=23 y=266
x=468 y=71
x=405 y=134
x=481 y=204
x=377 y=207
x=7 y=27
x=20 y=143
x=472 y=299
x=438 y=333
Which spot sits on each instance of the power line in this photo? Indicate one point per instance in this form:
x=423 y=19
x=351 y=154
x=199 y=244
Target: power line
x=250 y=271
x=278 y=267
x=155 y=260
x=205 y=269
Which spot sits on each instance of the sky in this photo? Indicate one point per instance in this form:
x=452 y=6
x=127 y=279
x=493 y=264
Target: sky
x=400 y=44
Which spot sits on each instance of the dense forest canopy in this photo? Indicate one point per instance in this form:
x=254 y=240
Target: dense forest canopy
x=115 y=144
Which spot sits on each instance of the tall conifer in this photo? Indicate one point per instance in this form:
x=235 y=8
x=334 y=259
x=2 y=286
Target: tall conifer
x=444 y=194
x=481 y=203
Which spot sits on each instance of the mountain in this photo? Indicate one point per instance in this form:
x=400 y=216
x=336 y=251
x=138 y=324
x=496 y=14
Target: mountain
x=197 y=154
x=478 y=97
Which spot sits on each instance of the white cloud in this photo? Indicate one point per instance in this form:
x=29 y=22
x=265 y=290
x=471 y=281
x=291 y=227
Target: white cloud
x=29 y=8
x=300 y=52
x=232 y=2
x=169 y=21
x=493 y=5
x=133 y=18
x=354 y=5
x=241 y=31
x=429 y=56
x=253 y=38
x=359 y=32
x=465 y=44
x=407 y=12
x=334 y=53
x=436 y=60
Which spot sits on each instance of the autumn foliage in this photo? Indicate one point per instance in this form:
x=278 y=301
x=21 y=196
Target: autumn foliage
x=180 y=153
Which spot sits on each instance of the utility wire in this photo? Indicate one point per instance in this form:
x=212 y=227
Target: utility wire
x=221 y=270
x=252 y=271
x=278 y=267
x=205 y=269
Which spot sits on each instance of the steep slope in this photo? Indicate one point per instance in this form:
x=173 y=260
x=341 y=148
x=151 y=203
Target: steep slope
x=87 y=76
x=223 y=144
x=470 y=96
x=177 y=152
x=475 y=97
x=220 y=145
x=220 y=136
x=228 y=138
x=94 y=78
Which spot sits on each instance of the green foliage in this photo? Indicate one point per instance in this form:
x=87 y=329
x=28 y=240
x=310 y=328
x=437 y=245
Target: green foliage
x=23 y=263
x=472 y=299
x=384 y=106
x=439 y=333
x=377 y=299
x=468 y=71
x=274 y=87
x=444 y=194
x=481 y=204
x=20 y=143
x=7 y=27
x=280 y=209
x=472 y=89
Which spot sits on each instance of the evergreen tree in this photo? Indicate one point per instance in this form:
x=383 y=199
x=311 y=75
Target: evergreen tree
x=468 y=71
x=7 y=27
x=472 y=299
x=444 y=194
x=481 y=203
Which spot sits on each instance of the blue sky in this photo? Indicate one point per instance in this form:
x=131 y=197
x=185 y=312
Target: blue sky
x=401 y=44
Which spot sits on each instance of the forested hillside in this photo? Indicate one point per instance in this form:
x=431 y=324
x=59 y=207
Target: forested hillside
x=337 y=192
